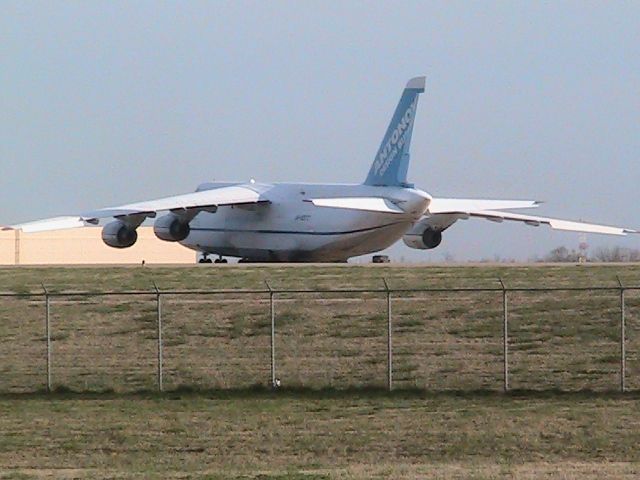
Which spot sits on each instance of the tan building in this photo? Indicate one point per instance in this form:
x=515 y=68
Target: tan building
x=85 y=246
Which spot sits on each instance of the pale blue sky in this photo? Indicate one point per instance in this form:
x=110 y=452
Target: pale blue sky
x=110 y=102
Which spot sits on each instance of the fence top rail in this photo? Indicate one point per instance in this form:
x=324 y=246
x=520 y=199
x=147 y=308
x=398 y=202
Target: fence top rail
x=154 y=292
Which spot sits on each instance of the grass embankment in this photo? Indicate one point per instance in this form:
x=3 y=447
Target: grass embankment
x=441 y=341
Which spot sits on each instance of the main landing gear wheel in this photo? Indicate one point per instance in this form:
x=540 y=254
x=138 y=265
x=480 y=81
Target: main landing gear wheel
x=205 y=259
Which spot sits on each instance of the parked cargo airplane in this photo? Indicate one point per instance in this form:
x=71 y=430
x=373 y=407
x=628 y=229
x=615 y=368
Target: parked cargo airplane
x=295 y=222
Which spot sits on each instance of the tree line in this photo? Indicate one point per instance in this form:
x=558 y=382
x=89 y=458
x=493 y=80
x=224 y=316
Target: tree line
x=601 y=254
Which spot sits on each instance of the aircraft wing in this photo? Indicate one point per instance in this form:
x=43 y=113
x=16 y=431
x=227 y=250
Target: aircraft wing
x=554 y=223
x=56 y=223
x=444 y=212
x=189 y=203
x=454 y=205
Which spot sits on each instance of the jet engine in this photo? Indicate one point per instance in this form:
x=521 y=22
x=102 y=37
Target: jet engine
x=119 y=235
x=425 y=240
x=171 y=228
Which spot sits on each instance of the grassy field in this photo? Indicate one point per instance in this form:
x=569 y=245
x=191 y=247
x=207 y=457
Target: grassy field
x=333 y=419
x=441 y=341
x=320 y=435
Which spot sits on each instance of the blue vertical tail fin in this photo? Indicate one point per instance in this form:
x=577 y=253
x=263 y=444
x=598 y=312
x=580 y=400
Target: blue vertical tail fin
x=392 y=160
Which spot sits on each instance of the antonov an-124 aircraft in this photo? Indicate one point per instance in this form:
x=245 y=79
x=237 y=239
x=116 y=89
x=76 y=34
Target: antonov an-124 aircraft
x=302 y=222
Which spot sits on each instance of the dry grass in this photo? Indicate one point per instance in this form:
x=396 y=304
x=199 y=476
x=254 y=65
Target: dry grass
x=333 y=419
x=320 y=435
x=559 y=340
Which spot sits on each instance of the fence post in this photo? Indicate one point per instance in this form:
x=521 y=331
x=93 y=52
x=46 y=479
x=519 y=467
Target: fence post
x=47 y=326
x=389 y=339
x=272 y=313
x=505 y=336
x=159 y=336
x=623 y=361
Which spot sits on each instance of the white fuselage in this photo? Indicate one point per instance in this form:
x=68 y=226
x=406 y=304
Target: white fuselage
x=290 y=228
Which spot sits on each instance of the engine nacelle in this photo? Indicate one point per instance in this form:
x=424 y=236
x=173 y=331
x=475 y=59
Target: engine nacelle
x=119 y=235
x=171 y=228
x=425 y=240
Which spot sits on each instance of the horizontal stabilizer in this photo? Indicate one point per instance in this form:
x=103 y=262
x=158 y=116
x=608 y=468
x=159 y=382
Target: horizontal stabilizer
x=371 y=204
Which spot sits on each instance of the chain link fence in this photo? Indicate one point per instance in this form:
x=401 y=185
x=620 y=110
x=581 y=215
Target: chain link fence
x=434 y=339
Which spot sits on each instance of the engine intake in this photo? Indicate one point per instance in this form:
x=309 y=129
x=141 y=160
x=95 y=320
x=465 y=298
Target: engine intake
x=431 y=238
x=119 y=235
x=425 y=240
x=171 y=228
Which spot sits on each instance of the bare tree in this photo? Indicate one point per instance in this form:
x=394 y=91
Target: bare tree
x=561 y=254
x=616 y=254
